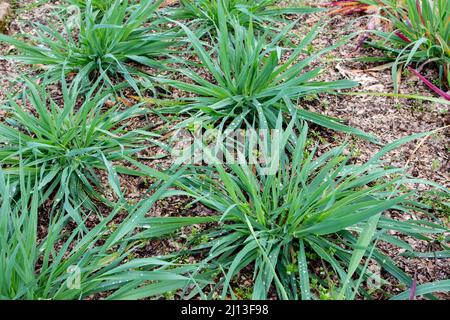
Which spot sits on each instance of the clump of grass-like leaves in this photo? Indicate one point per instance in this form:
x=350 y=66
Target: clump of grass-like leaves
x=65 y=141
x=61 y=265
x=420 y=35
x=206 y=14
x=251 y=83
x=309 y=209
x=124 y=36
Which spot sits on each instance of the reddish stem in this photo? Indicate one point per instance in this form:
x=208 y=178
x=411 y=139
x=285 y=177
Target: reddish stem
x=440 y=92
x=402 y=36
x=419 y=9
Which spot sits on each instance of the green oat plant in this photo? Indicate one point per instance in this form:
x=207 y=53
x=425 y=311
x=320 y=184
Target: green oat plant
x=251 y=82
x=314 y=211
x=205 y=15
x=111 y=48
x=421 y=35
x=59 y=264
x=65 y=140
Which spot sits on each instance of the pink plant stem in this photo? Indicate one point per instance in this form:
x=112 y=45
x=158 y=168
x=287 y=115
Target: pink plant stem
x=402 y=36
x=440 y=92
x=419 y=9
x=336 y=3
